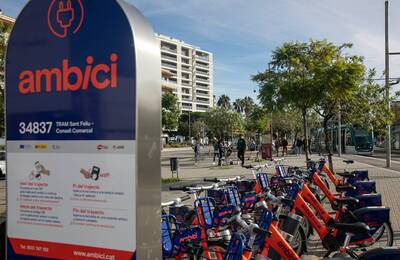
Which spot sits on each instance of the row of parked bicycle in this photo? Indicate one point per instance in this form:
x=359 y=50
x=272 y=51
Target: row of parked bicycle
x=273 y=216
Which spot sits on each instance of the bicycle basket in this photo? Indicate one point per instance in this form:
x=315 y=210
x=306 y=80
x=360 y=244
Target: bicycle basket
x=264 y=222
x=245 y=185
x=183 y=213
x=168 y=225
x=248 y=201
x=263 y=181
x=236 y=247
x=232 y=195
x=218 y=195
x=205 y=211
x=281 y=171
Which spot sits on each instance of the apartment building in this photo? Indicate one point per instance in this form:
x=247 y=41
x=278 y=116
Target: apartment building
x=187 y=73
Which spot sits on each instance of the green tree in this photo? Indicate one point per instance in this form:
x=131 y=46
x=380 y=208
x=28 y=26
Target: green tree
x=340 y=77
x=290 y=81
x=238 y=105
x=369 y=107
x=224 y=101
x=199 y=129
x=4 y=33
x=248 y=106
x=258 y=121
x=170 y=112
x=287 y=122
x=183 y=124
x=222 y=122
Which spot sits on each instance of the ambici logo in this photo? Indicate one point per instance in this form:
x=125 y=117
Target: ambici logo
x=65 y=16
x=70 y=78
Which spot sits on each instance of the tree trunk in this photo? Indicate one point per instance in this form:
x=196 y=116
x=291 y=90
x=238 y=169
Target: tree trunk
x=328 y=144
x=305 y=133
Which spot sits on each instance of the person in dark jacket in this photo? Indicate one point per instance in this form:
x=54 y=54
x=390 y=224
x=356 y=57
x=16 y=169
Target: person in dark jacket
x=241 y=148
x=220 y=150
x=284 y=146
x=299 y=144
x=216 y=148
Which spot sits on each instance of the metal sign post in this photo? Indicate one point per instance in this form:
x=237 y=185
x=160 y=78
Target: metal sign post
x=83 y=132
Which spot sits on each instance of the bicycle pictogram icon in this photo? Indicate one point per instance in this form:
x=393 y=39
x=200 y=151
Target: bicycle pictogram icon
x=65 y=17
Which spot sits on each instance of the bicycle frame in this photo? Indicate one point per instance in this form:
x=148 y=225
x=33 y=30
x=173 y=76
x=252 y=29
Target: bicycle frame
x=279 y=244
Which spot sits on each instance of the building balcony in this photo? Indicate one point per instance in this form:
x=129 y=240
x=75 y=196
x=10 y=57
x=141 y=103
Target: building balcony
x=167 y=49
x=187 y=107
x=203 y=58
x=203 y=101
x=187 y=70
x=166 y=57
x=202 y=80
x=202 y=73
x=202 y=95
x=170 y=66
x=202 y=87
x=186 y=84
x=168 y=86
x=202 y=109
x=202 y=66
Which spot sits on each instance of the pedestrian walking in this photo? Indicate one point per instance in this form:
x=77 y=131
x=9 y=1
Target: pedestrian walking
x=299 y=144
x=196 y=149
x=304 y=148
x=284 y=146
x=216 y=149
x=309 y=146
x=220 y=150
x=241 y=147
x=277 y=145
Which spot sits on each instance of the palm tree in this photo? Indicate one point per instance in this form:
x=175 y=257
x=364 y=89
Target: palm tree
x=248 y=105
x=238 y=105
x=224 y=101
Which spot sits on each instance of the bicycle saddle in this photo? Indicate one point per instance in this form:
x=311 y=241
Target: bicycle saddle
x=345 y=188
x=347 y=201
x=353 y=228
x=346 y=174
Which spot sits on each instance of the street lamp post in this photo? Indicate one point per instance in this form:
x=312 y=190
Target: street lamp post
x=388 y=84
x=190 y=130
x=388 y=137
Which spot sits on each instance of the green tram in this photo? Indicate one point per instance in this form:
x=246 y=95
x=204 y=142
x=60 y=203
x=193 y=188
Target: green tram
x=355 y=140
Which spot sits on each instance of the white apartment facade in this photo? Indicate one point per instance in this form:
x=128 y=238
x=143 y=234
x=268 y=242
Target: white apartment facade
x=190 y=73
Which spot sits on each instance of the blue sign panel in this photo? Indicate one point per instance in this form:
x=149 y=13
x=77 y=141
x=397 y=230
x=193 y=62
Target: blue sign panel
x=71 y=100
x=70 y=76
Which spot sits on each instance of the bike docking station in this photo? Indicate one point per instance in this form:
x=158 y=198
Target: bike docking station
x=83 y=90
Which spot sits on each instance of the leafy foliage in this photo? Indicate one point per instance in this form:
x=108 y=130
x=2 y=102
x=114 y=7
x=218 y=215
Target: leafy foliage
x=222 y=122
x=224 y=101
x=258 y=121
x=369 y=107
x=170 y=112
x=4 y=33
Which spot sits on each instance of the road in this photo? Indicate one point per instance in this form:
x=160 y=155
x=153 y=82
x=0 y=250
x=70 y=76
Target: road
x=378 y=159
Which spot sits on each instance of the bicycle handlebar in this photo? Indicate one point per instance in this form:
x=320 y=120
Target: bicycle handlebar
x=252 y=228
x=176 y=201
x=238 y=178
x=196 y=188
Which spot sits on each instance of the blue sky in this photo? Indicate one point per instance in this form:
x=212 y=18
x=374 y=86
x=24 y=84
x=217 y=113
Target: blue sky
x=242 y=34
